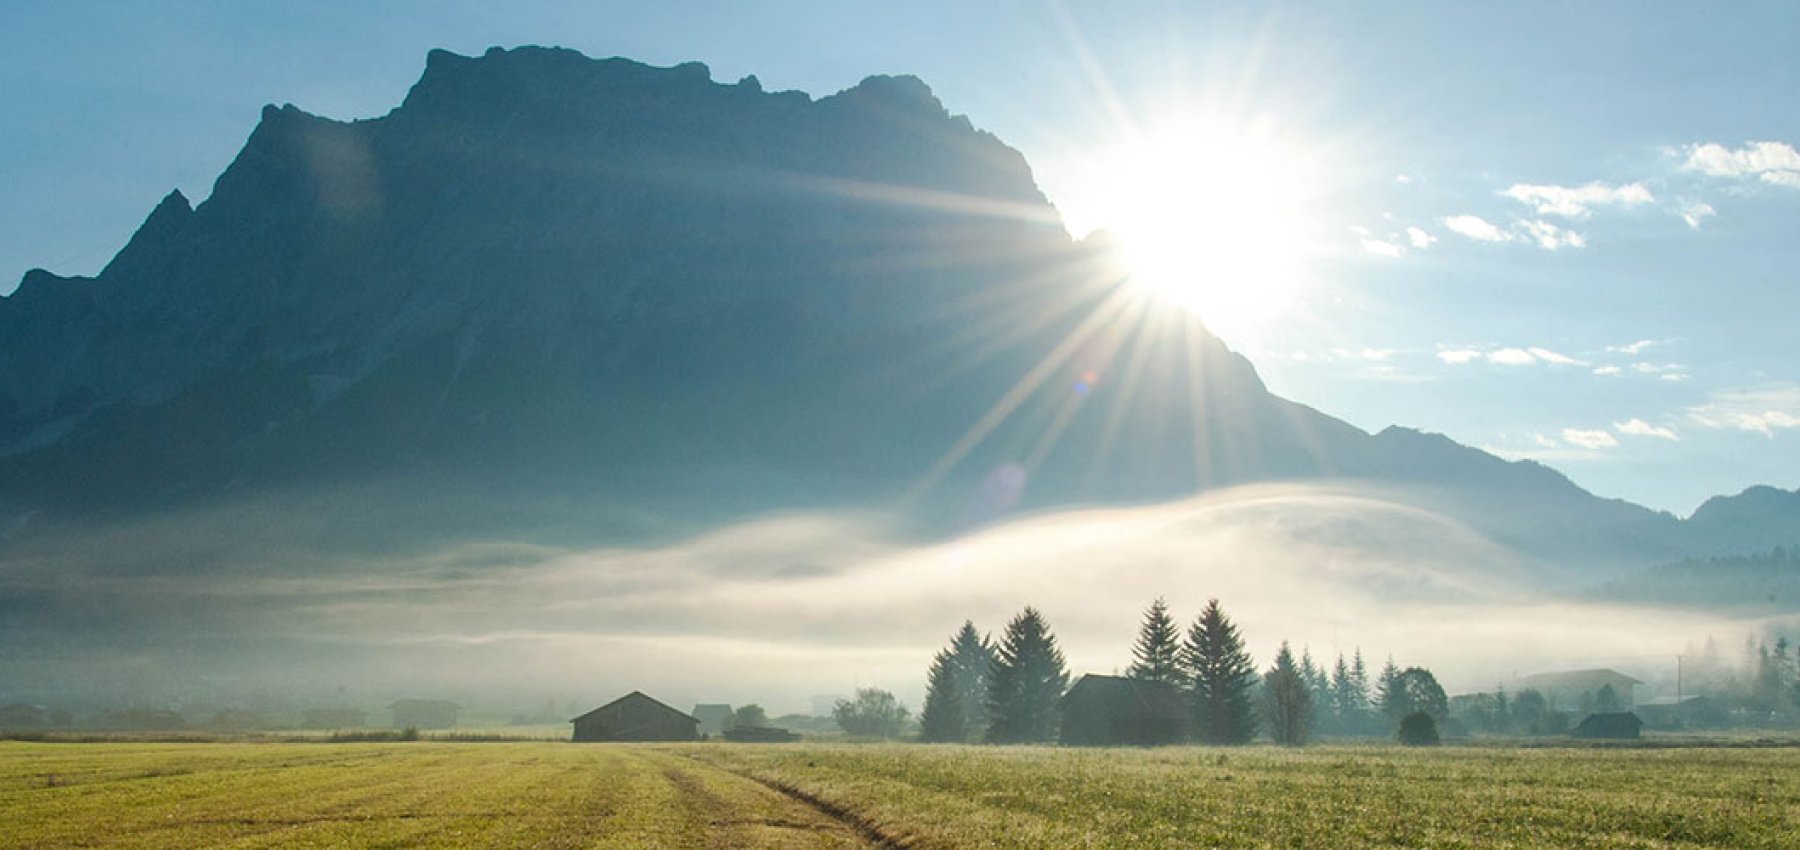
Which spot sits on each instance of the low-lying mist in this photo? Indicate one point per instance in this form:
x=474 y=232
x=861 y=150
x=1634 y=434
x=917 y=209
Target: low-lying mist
x=777 y=609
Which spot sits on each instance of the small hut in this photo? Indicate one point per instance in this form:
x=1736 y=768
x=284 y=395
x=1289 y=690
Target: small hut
x=1609 y=726
x=1113 y=711
x=636 y=717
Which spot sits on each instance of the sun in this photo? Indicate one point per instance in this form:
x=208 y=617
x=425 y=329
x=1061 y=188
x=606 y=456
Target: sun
x=1212 y=218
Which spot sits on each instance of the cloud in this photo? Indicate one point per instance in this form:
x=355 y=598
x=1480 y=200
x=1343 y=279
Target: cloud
x=776 y=609
x=1632 y=347
x=1551 y=237
x=1459 y=356
x=1418 y=238
x=1511 y=357
x=1578 y=201
x=1589 y=439
x=1476 y=228
x=1640 y=428
x=1608 y=370
x=1694 y=212
x=1549 y=356
x=1380 y=248
x=1776 y=163
x=1764 y=410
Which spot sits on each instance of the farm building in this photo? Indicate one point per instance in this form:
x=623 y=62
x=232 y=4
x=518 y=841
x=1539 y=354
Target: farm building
x=759 y=735
x=714 y=717
x=1686 y=712
x=636 y=717
x=1611 y=725
x=1581 y=690
x=1111 y=711
x=424 y=713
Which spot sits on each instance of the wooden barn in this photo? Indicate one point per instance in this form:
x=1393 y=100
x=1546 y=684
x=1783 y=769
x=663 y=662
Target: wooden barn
x=1611 y=725
x=636 y=717
x=1113 y=711
x=424 y=713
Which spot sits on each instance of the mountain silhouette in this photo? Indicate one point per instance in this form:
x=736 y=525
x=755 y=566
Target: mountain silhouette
x=545 y=286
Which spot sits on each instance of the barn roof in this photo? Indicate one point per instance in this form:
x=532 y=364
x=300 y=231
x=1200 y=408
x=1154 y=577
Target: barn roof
x=639 y=695
x=1582 y=679
x=1156 y=699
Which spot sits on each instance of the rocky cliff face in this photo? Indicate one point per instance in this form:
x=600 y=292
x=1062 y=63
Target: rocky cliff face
x=544 y=273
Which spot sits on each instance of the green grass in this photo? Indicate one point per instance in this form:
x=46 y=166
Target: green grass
x=1315 y=797
x=389 y=795
x=545 y=794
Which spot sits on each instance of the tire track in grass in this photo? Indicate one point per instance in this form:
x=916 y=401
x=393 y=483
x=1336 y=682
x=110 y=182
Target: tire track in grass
x=869 y=831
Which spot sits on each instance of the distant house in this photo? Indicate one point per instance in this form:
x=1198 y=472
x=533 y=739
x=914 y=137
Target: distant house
x=424 y=713
x=21 y=716
x=714 y=717
x=1611 y=725
x=1688 y=711
x=636 y=717
x=1579 y=690
x=1112 y=711
x=759 y=735
x=333 y=718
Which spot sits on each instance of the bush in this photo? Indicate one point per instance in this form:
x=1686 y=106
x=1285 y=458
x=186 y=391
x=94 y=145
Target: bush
x=1418 y=729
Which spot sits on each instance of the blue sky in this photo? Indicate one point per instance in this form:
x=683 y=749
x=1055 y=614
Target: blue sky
x=1545 y=229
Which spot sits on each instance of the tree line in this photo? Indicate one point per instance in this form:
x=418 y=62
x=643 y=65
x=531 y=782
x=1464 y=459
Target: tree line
x=1007 y=692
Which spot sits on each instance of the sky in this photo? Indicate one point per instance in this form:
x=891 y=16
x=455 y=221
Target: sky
x=1553 y=231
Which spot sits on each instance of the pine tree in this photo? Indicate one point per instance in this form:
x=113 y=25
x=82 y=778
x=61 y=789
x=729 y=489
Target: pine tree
x=1388 y=697
x=973 y=658
x=1340 y=707
x=1359 y=680
x=1287 y=701
x=1318 y=685
x=1223 y=677
x=1025 y=682
x=942 y=719
x=1157 y=654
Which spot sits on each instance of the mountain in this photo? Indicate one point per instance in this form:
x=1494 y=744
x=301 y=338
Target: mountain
x=549 y=293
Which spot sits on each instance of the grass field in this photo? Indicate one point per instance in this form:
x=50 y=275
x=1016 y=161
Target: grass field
x=810 y=795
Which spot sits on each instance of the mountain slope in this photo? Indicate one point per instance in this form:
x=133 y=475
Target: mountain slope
x=555 y=281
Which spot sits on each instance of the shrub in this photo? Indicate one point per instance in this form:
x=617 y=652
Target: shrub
x=1418 y=729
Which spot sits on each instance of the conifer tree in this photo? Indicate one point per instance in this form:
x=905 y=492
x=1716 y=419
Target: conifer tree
x=1026 y=680
x=1388 y=697
x=1359 y=680
x=942 y=719
x=1223 y=677
x=972 y=658
x=1157 y=655
x=1287 y=701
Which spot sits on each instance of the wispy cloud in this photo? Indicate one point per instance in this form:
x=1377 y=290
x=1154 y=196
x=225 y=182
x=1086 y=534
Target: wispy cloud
x=1590 y=439
x=1419 y=239
x=1608 y=370
x=1550 y=237
x=1559 y=359
x=1477 y=228
x=1578 y=201
x=1775 y=163
x=1640 y=428
x=1695 y=212
x=1632 y=347
x=1508 y=356
x=1764 y=410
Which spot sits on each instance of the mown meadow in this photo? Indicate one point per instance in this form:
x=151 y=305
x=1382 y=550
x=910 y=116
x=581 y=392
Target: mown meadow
x=552 y=794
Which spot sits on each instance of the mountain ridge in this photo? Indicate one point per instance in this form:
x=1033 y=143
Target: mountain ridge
x=541 y=266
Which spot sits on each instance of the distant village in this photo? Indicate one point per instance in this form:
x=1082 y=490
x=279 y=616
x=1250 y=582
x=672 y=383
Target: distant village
x=1197 y=685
